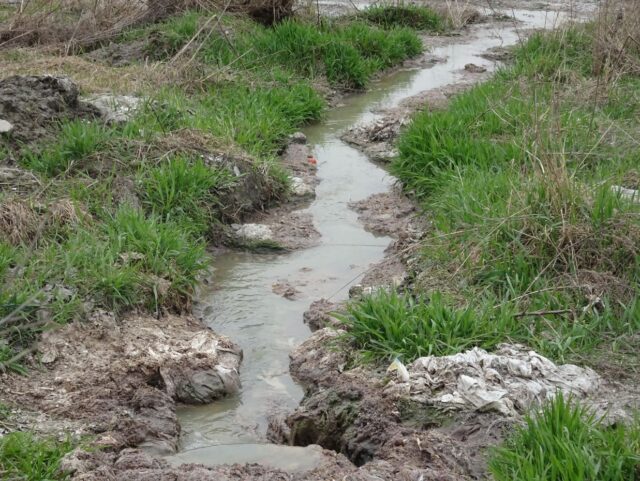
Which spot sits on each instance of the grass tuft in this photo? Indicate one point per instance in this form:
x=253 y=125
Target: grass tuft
x=567 y=442
x=185 y=192
x=27 y=458
x=411 y=16
x=386 y=325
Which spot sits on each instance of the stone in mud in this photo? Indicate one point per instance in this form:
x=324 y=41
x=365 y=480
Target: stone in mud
x=115 y=109
x=300 y=188
x=297 y=138
x=252 y=232
x=318 y=316
x=473 y=68
x=205 y=386
x=283 y=288
x=5 y=127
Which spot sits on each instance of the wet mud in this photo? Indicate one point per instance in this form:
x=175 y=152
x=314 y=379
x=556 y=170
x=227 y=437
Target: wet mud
x=128 y=382
x=120 y=380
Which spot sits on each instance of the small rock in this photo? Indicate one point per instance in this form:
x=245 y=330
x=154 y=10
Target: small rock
x=5 y=127
x=297 y=138
x=253 y=232
x=49 y=357
x=631 y=195
x=300 y=188
x=473 y=68
x=115 y=108
x=205 y=386
x=284 y=289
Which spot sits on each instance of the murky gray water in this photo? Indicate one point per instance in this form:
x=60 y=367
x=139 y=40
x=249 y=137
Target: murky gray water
x=241 y=304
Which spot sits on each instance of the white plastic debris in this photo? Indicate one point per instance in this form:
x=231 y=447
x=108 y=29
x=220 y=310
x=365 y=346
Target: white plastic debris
x=400 y=369
x=508 y=381
x=300 y=188
x=253 y=232
x=631 y=195
x=115 y=108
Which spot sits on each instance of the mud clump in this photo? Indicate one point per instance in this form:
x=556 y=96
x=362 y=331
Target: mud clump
x=119 y=380
x=34 y=105
x=348 y=411
x=318 y=316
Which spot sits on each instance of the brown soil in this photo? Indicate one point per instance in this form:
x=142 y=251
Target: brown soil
x=35 y=104
x=349 y=412
x=291 y=228
x=120 y=379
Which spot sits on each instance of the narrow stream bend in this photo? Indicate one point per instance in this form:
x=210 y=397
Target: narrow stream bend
x=241 y=304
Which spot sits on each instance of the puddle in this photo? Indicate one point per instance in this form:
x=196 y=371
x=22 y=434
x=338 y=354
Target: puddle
x=240 y=303
x=292 y=459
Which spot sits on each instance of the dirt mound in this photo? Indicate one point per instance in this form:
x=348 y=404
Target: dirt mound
x=120 y=380
x=348 y=411
x=34 y=105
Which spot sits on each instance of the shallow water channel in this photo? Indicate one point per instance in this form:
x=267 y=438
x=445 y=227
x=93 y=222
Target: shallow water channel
x=241 y=305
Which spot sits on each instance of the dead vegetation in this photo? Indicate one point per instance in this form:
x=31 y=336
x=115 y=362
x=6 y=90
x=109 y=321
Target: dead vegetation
x=18 y=221
x=72 y=26
x=616 y=48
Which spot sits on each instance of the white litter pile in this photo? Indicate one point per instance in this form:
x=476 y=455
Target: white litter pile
x=115 y=108
x=253 y=232
x=508 y=381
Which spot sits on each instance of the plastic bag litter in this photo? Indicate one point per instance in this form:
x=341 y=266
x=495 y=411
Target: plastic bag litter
x=508 y=381
x=400 y=369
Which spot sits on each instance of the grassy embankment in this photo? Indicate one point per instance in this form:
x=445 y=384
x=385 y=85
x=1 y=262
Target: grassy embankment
x=241 y=93
x=214 y=85
x=532 y=241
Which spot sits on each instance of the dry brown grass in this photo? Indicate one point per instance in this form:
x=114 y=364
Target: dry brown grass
x=92 y=77
x=616 y=49
x=72 y=25
x=19 y=223
x=69 y=22
x=64 y=212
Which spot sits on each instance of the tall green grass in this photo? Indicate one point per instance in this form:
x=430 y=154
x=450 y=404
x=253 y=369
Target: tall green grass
x=518 y=180
x=567 y=442
x=27 y=458
x=411 y=16
x=76 y=141
x=346 y=53
x=386 y=325
x=185 y=191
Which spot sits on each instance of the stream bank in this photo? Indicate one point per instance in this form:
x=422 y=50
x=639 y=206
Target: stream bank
x=387 y=442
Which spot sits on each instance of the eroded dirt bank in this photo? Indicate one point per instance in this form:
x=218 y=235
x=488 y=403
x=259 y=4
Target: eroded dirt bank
x=120 y=380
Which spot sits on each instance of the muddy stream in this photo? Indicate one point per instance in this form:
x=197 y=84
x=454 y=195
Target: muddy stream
x=240 y=303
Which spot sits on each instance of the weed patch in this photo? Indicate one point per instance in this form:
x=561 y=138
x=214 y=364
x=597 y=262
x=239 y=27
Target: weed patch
x=184 y=192
x=348 y=54
x=566 y=441
x=519 y=175
x=387 y=325
x=419 y=18
x=25 y=457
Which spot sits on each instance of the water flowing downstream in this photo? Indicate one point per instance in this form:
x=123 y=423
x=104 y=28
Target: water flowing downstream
x=241 y=305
